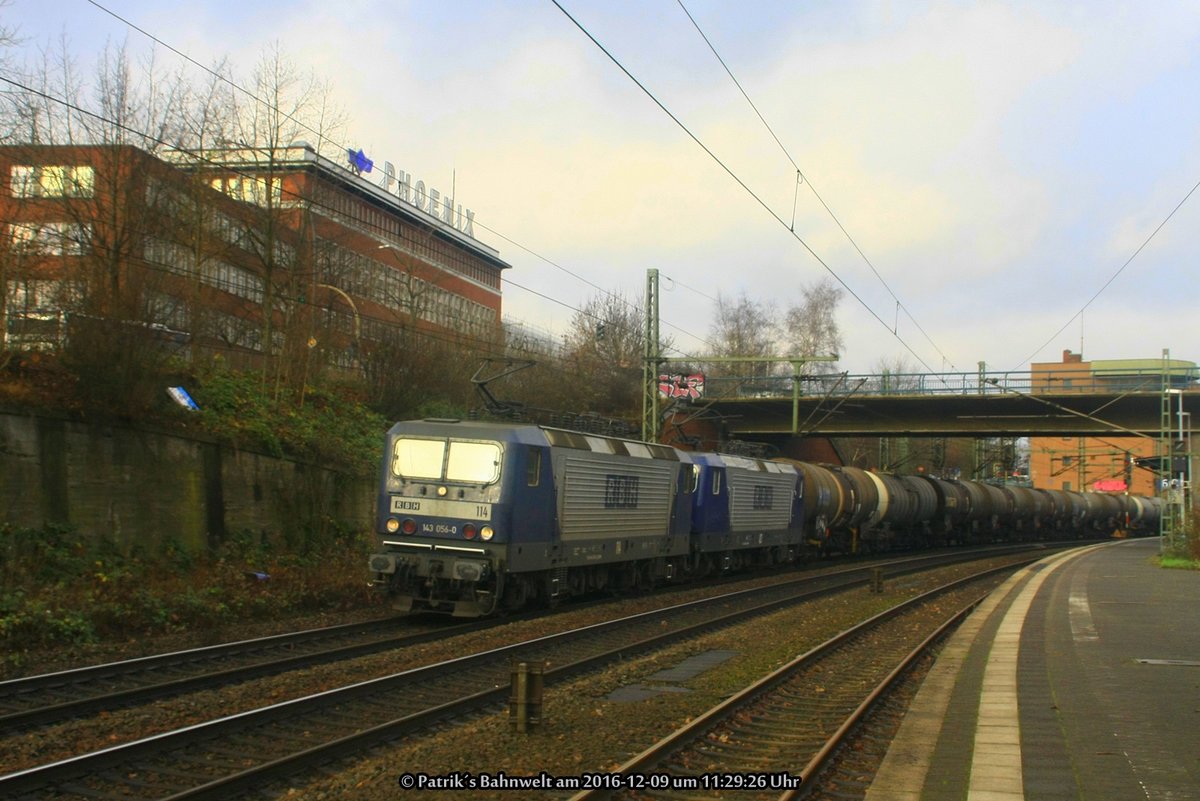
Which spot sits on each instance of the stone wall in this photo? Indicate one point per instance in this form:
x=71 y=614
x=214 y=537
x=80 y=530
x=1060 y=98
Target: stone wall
x=145 y=487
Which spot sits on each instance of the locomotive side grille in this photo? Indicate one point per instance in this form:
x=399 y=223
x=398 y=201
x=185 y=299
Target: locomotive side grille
x=615 y=498
x=759 y=501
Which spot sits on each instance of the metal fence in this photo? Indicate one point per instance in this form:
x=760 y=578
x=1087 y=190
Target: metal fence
x=941 y=384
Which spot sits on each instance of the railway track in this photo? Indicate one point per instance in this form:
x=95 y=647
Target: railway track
x=221 y=757
x=774 y=739
x=69 y=694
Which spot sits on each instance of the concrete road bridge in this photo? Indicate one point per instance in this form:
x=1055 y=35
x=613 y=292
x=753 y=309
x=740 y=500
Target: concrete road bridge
x=1012 y=404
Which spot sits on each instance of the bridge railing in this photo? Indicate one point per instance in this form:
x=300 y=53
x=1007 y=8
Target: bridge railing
x=942 y=384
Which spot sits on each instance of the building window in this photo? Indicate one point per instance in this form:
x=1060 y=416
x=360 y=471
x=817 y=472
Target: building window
x=47 y=180
x=39 y=295
x=234 y=280
x=259 y=191
x=51 y=238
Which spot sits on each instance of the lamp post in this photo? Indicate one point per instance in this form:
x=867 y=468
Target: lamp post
x=357 y=320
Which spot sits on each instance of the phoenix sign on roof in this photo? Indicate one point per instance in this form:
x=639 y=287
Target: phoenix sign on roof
x=426 y=198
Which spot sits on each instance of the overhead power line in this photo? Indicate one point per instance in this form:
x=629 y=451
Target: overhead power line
x=314 y=203
x=300 y=123
x=738 y=180
x=1113 y=277
x=802 y=178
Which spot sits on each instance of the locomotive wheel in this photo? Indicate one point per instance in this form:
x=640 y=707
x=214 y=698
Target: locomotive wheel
x=516 y=593
x=489 y=602
x=549 y=598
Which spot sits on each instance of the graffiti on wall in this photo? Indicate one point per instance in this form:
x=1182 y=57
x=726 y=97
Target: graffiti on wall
x=681 y=386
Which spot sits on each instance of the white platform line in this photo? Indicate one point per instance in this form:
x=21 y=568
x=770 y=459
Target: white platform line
x=996 y=773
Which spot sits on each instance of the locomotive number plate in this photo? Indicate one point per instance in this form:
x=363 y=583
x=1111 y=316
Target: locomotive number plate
x=436 y=507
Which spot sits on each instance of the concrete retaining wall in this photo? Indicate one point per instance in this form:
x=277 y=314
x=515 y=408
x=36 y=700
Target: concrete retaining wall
x=145 y=487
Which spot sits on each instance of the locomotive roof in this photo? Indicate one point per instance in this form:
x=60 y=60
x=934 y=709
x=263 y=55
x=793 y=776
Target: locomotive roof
x=745 y=463
x=529 y=434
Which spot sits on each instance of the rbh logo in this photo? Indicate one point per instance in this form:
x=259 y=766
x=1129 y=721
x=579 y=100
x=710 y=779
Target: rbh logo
x=763 y=497
x=620 y=492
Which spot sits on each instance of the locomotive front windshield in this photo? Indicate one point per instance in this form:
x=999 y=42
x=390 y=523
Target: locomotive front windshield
x=446 y=460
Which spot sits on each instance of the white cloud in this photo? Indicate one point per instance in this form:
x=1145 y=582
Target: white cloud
x=997 y=162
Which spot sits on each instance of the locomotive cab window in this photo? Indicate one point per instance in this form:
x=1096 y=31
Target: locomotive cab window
x=473 y=462
x=435 y=459
x=533 y=467
x=418 y=458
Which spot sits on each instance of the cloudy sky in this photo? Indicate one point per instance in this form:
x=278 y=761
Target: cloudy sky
x=997 y=163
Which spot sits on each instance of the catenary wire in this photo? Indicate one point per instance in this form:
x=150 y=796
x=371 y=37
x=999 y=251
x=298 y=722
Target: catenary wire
x=811 y=187
x=805 y=179
x=738 y=180
x=307 y=127
x=1114 y=276
x=316 y=204
x=421 y=333
x=128 y=129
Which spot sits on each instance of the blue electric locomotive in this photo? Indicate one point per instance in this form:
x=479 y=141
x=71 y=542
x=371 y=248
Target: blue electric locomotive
x=473 y=516
x=745 y=512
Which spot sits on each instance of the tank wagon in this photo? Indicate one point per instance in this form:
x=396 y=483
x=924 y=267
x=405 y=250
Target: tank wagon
x=478 y=517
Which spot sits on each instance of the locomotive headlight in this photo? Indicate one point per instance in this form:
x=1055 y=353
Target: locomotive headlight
x=442 y=492
x=486 y=533
x=393 y=525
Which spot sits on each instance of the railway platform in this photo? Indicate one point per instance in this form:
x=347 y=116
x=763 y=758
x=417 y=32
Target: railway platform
x=1079 y=678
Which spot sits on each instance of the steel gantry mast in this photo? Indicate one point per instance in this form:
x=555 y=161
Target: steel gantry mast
x=1174 y=464
x=651 y=361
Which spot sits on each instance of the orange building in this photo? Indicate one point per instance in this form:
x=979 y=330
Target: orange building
x=1109 y=463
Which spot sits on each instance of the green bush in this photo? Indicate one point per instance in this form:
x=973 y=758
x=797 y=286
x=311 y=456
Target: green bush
x=320 y=425
x=62 y=590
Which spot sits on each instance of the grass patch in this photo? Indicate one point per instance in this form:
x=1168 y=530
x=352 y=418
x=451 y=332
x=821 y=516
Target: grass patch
x=1178 y=563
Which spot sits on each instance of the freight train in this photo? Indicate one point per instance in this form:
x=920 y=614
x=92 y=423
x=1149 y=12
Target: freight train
x=474 y=518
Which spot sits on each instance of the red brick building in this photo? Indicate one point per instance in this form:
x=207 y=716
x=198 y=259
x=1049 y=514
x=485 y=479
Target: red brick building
x=242 y=250
x=1100 y=463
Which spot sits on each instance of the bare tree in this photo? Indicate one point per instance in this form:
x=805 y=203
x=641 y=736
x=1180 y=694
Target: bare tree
x=285 y=107
x=206 y=120
x=10 y=39
x=743 y=328
x=603 y=348
x=810 y=327
x=91 y=239
x=897 y=374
